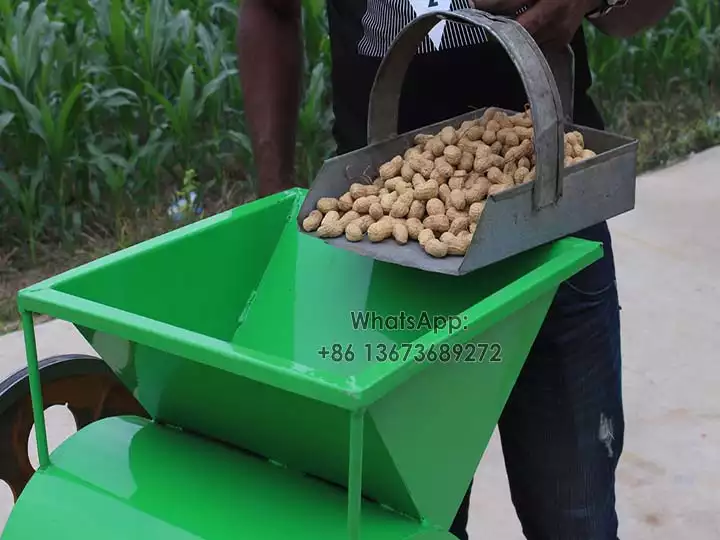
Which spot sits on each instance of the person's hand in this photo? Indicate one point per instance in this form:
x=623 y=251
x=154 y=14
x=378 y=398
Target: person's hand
x=552 y=22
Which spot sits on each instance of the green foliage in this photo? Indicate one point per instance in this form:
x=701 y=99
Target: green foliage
x=663 y=86
x=105 y=103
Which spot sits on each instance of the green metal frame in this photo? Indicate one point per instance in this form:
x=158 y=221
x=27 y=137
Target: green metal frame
x=376 y=415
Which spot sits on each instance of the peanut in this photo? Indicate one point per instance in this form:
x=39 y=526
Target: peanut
x=327 y=204
x=453 y=213
x=504 y=120
x=428 y=155
x=448 y=135
x=453 y=155
x=400 y=233
x=414 y=227
x=437 y=223
x=436 y=146
x=376 y=211
x=418 y=180
x=348 y=217
x=332 y=229
x=503 y=133
x=476 y=210
x=406 y=172
x=523 y=133
x=425 y=236
x=467 y=161
x=386 y=201
x=476 y=193
x=510 y=168
x=417 y=210
x=443 y=168
x=332 y=215
x=402 y=187
x=444 y=193
x=427 y=191
x=487 y=116
x=512 y=140
x=466 y=145
x=313 y=220
x=363 y=204
x=378 y=183
x=391 y=168
x=495 y=175
x=475 y=133
x=587 y=154
x=456 y=245
x=436 y=248
x=524 y=150
x=363 y=222
x=444 y=237
x=401 y=206
x=459 y=224
x=413 y=151
x=483 y=165
x=496 y=147
x=422 y=166
x=457 y=199
x=483 y=150
x=353 y=232
x=575 y=138
x=435 y=207
x=422 y=138
x=380 y=230
x=489 y=136
x=391 y=183
x=520 y=120
x=530 y=176
x=493 y=125
x=464 y=127
x=524 y=162
x=520 y=174
x=345 y=202
x=456 y=182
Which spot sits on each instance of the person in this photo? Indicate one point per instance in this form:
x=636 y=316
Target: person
x=562 y=428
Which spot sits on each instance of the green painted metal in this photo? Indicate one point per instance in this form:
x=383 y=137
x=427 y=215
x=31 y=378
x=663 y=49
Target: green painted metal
x=218 y=329
x=126 y=478
x=35 y=390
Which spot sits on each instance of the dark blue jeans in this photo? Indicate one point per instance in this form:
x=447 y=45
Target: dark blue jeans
x=562 y=428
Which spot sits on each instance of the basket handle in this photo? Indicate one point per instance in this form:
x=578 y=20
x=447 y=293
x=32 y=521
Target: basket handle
x=537 y=76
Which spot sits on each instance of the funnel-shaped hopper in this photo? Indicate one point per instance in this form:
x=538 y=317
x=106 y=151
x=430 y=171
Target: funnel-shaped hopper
x=382 y=379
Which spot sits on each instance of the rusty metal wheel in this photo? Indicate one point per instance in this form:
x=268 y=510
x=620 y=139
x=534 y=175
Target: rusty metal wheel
x=84 y=384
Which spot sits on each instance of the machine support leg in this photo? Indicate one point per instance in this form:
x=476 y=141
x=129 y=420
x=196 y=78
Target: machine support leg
x=35 y=389
x=357 y=423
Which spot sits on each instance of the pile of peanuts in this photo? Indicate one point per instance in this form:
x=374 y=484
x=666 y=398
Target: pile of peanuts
x=436 y=192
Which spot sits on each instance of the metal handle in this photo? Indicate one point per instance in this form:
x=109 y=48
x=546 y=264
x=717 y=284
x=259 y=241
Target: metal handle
x=535 y=71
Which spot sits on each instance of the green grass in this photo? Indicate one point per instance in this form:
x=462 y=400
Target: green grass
x=106 y=104
x=663 y=86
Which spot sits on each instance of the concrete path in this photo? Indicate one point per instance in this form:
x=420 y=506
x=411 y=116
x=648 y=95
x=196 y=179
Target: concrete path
x=668 y=257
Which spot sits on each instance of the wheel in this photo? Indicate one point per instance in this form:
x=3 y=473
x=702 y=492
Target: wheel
x=85 y=384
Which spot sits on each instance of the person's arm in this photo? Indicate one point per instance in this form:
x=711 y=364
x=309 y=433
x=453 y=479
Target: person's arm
x=269 y=48
x=633 y=18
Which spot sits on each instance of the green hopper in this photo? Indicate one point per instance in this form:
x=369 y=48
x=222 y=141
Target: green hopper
x=295 y=390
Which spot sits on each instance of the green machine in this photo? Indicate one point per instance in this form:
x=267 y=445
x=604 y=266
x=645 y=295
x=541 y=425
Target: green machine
x=259 y=383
